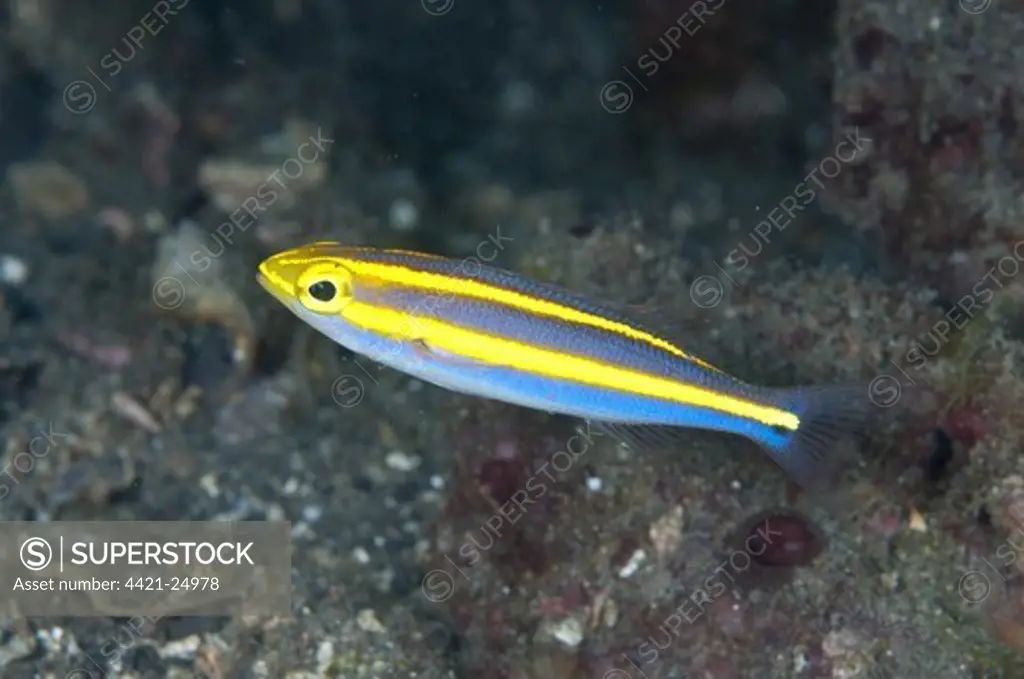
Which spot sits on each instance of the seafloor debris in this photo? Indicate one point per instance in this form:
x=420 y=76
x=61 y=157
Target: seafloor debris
x=48 y=189
x=188 y=281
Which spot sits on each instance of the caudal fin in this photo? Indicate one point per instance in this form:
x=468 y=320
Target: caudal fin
x=828 y=416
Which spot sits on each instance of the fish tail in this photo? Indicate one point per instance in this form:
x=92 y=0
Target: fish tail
x=828 y=415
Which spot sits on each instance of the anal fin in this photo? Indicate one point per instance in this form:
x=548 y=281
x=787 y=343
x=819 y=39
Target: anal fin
x=641 y=437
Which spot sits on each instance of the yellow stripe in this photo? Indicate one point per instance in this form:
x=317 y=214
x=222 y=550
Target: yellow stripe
x=398 y=274
x=542 y=361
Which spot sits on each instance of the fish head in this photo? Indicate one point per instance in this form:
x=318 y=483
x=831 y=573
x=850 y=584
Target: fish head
x=324 y=286
x=312 y=281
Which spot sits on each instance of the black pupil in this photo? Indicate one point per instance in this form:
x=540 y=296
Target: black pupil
x=323 y=291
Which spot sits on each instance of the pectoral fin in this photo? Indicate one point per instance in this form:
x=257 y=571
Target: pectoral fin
x=427 y=351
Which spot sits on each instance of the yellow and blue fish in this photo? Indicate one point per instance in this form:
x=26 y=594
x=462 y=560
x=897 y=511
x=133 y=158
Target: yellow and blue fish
x=496 y=334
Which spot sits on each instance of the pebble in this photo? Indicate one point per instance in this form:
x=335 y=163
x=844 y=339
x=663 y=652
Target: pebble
x=229 y=182
x=843 y=647
x=917 y=522
x=401 y=462
x=610 y=613
x=361 y=555
x=666 y=533
x=594 y=484
x=633 y=565
x=51 y=638
x=324 y=656
x=800 y=661
x=208 y=483
x=181 y=649
x=569 y=632
x=48 y=189
x=13 y=270
x=368 y=622
x=302 y=531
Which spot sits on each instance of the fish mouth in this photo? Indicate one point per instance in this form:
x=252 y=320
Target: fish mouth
x=275 y=289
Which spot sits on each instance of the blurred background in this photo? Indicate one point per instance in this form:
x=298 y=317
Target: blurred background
x=837 y=184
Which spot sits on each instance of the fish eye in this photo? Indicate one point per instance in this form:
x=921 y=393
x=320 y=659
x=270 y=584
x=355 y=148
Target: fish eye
x=323 y=291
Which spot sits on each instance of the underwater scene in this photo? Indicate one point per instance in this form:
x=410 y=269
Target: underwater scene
x=437 y=339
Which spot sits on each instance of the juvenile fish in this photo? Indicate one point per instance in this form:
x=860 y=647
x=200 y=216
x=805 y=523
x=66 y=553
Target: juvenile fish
x=493 y=333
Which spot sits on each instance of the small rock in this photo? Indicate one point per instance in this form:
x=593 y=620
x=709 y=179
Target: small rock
x=15 y=649
x=181 y=649
x=667 y=533
x=187 y=281
x=568 y=631
x=13 y=270
x=845 y=649
x=400 y=461
x=230 y=182
x=633 y=565
x=610 y=613
x=324 y=656
x=48 y=189
x=368 y=622
x=208 y=482
x=917 y=522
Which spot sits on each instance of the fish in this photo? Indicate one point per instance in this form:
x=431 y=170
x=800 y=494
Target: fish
x=476 y=329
